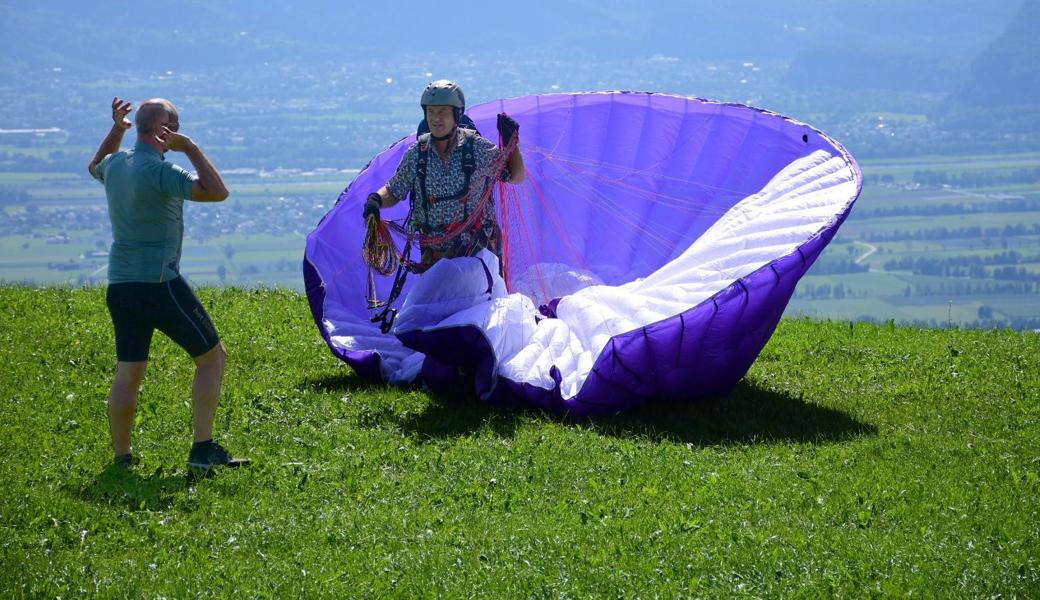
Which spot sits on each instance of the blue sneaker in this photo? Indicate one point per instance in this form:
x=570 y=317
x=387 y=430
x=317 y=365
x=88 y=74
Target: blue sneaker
x=206 y=455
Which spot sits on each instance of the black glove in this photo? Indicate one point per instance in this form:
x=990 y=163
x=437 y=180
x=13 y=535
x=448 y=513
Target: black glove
x=372 y=206
x=507 y=128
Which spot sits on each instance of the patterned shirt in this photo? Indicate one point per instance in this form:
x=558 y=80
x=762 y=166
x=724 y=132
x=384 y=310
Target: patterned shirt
x=444 y=181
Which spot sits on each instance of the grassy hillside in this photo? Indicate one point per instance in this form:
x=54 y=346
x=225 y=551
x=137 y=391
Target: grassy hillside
x=853 y=460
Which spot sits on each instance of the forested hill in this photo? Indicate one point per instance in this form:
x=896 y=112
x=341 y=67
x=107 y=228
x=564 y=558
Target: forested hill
x=1007 y=72
x=1000 y=99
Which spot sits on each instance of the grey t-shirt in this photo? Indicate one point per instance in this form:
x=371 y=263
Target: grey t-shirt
x=145 y=205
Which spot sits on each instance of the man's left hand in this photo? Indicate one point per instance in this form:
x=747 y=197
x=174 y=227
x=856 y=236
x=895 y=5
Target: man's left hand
x=372 y=205
x=507 y=128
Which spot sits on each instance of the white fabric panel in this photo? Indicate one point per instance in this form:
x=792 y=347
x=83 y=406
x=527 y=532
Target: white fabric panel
x=795 y=205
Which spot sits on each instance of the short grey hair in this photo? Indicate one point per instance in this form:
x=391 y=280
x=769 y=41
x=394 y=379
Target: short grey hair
x=151 y=114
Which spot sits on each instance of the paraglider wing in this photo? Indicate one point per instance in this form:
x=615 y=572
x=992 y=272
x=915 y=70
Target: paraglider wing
x=650 y=254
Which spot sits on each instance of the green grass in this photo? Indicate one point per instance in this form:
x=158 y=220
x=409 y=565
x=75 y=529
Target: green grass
x=923 y=308
x=853 y=460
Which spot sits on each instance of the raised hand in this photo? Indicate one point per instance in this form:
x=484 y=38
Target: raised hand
x=120 y=109
x=507 y=128
x=372 y=205
x=171 y=140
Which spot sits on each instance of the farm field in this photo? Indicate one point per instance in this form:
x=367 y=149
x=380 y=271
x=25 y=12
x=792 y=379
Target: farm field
x=943 y=259
x=896 y=257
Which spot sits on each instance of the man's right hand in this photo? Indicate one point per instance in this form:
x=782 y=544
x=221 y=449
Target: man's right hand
x=120 y=109
x=507 y=128
x=372 y=205
x=171 y=140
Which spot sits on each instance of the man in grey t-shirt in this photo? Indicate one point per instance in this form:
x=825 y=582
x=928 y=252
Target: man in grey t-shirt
x=146 y=292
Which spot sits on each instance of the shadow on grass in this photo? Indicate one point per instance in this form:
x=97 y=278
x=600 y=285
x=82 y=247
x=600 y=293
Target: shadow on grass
x=119 y=486
x=449 y=413
x=747 y=415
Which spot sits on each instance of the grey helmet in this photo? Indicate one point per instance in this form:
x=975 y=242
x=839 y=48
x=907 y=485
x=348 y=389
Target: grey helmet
x=444 y=92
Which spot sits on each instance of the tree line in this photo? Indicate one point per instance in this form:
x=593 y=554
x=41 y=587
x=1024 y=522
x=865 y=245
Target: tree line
x=976 y=179
x=942 y=233
x=953 y=208
x=973 y=266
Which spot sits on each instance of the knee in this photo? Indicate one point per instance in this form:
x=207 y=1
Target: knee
x=214 y=360
x=130 y=374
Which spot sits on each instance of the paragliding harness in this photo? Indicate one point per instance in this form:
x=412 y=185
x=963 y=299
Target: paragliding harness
x=386 y=317
x=424 y=201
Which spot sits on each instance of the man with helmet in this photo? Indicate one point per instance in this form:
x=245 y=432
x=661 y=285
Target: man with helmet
x=447 y=171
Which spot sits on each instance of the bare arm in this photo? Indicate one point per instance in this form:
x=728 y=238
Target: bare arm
x=517 y=171
x=120 y=109
x=387 y=197
x=209 y=187
x=509 y=131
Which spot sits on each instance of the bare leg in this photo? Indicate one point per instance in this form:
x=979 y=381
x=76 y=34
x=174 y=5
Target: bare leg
x=205 y=391
x=122 y=403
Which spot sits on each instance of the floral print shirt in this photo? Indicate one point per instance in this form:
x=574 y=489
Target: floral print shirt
x=442 y=208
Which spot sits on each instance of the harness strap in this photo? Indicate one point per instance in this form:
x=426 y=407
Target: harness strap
x=381 y=235
x=469 y=166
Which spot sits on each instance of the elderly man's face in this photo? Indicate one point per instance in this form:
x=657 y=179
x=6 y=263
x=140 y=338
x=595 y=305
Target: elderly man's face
x=441 y=119
x=170 y=121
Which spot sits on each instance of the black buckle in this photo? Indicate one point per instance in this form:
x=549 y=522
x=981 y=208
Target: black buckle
x=386 y=319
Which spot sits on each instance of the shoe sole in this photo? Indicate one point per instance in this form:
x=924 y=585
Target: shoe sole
x=234 y=463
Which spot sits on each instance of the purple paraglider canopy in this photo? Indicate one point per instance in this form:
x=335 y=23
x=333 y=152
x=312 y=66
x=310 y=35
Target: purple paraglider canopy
x=650 y=254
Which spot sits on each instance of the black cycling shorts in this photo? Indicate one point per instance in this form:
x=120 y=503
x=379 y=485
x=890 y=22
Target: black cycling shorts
x=138 y=309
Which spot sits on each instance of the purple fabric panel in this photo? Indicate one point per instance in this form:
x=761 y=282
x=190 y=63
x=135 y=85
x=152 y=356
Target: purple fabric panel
x=610 y=167
x=616 y=168
x=315 y=295
x=334 y=247
x=465 y=347
x=366 y=364
x=439 y=377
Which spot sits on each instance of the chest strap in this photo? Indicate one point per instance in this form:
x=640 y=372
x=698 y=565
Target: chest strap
x=469 y=165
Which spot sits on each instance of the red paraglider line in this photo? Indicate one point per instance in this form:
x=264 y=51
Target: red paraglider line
x=530 y=246
x=583 y=168
x=613 y=209
x=657 y=197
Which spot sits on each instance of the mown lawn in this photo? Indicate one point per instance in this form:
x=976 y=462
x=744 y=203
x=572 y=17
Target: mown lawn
x=853 y=460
